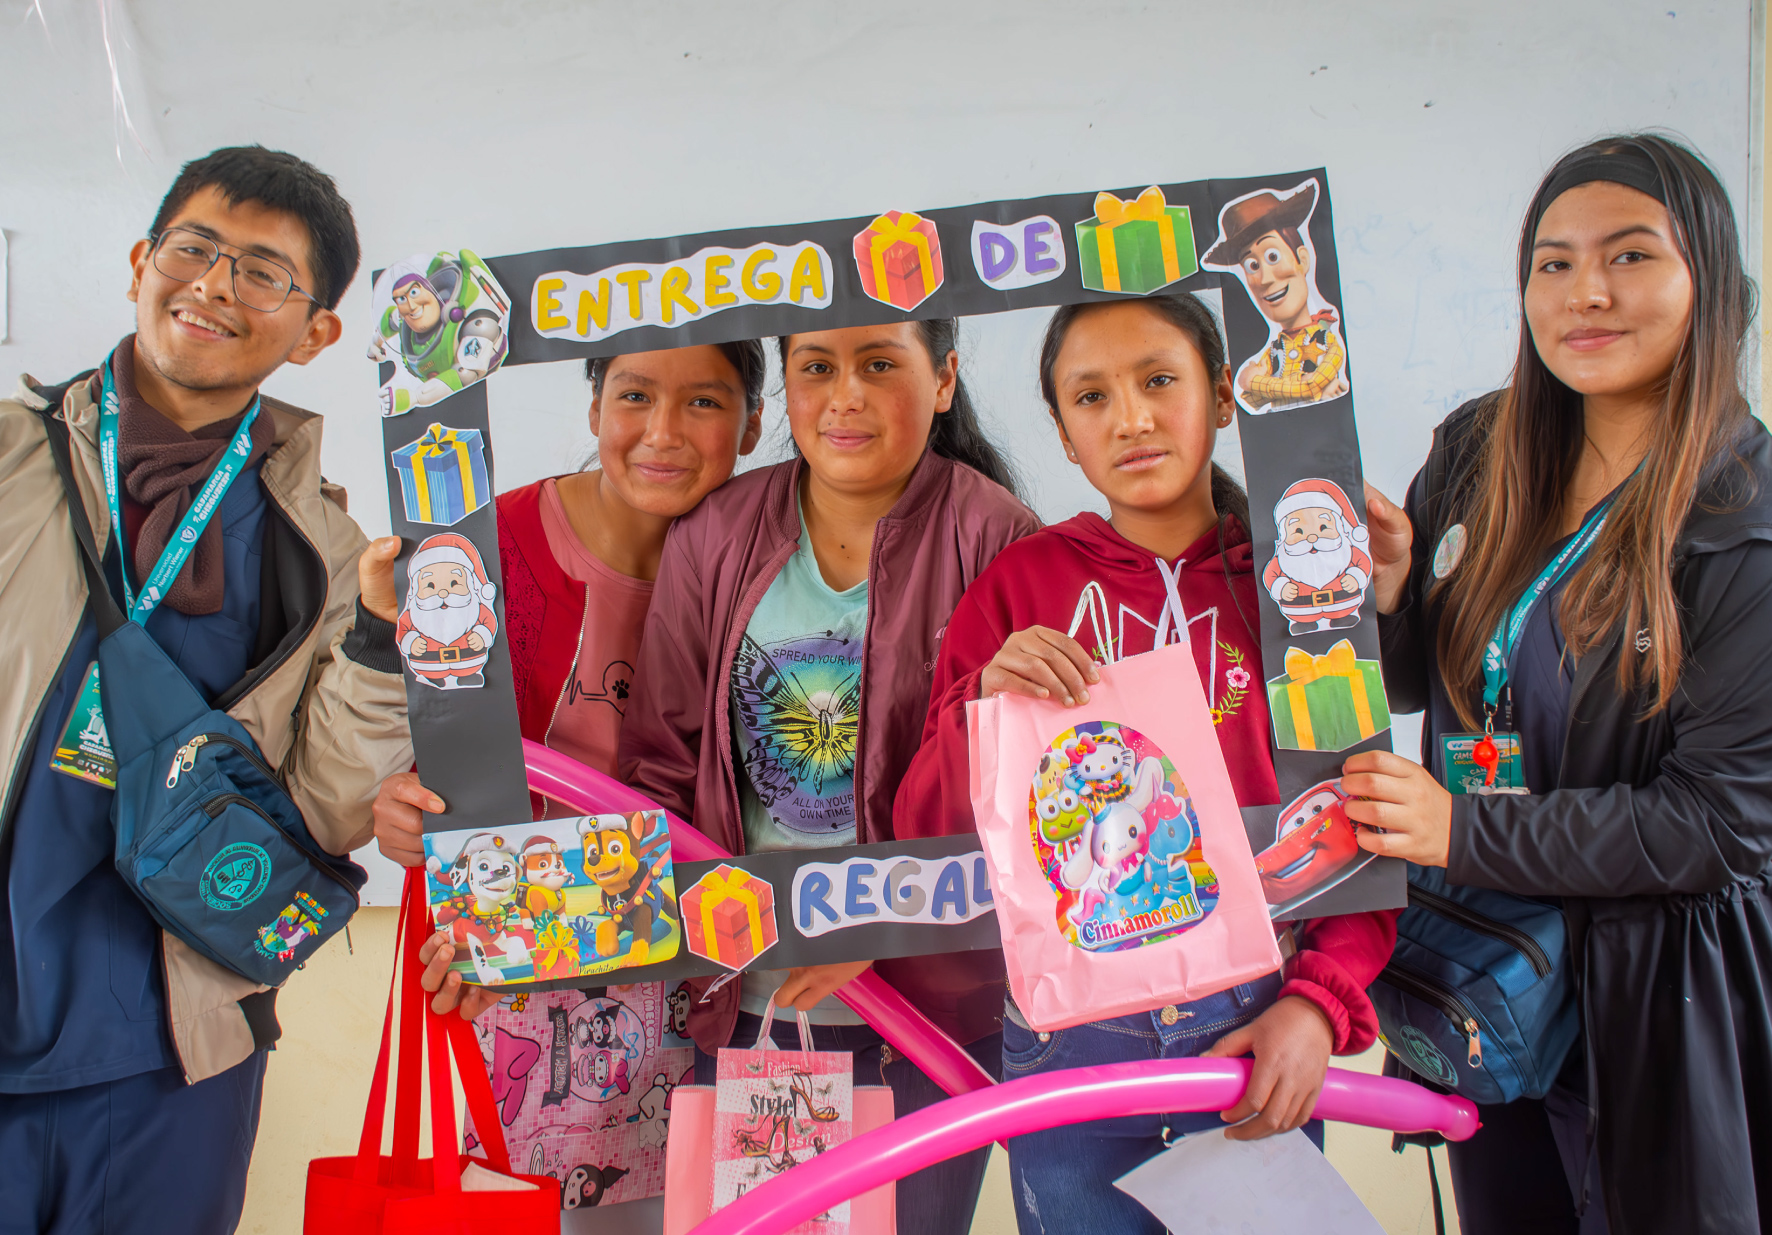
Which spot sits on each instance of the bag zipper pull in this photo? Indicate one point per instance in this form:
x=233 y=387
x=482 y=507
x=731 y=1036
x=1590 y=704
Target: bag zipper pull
x=182 y=761
x=1475 y=1056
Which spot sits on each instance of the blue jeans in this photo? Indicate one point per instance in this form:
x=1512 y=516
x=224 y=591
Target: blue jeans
x=938 y=1200
x=1063 y=1178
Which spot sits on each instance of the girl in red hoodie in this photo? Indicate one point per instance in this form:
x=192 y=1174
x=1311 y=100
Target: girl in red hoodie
x=1138 y=390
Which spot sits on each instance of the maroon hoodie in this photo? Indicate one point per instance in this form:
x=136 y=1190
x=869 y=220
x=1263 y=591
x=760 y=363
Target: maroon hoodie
x=1084 y=578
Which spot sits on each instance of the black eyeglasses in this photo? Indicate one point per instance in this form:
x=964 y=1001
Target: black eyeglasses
x=259 y=283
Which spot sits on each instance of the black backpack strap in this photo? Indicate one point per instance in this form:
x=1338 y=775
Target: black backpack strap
x=109 y=615
x=1433 y=1180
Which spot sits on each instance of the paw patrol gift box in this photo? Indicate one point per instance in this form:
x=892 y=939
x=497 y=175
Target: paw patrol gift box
x=564 y=898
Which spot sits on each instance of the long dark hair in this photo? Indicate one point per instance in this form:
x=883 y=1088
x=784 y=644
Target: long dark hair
x=1533 y=434
x=1188 y=314
x=956 y=434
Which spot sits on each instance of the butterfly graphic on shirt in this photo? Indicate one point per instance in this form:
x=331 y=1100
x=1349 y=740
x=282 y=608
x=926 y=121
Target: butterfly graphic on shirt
x=804 y=719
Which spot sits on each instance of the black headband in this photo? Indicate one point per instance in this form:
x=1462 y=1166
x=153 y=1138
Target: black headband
x=1629 y=166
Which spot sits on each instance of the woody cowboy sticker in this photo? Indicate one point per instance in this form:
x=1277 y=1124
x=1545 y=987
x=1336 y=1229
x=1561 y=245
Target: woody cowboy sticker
x=1320 y=569
x=1264 y=238
x=446 y=630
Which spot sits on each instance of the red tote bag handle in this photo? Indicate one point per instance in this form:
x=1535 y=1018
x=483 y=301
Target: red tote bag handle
x=408 y=937
x=440 y=1037
x=477 y=1087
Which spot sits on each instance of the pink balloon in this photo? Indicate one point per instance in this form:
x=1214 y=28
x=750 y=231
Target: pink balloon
x=909 y=1032
x=1035 y=1103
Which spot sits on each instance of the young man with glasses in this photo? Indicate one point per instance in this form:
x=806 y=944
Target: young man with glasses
x=130 y=1066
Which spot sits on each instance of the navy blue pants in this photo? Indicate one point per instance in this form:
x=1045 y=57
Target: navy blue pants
x=140 y=1156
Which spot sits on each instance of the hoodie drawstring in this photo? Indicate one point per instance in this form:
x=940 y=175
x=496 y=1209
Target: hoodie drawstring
x=1093 y=601
x=1172 y=585
x=1172 y=610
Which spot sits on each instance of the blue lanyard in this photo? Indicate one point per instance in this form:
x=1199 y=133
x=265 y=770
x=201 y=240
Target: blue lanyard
x=190 y=528
x=1500 y=651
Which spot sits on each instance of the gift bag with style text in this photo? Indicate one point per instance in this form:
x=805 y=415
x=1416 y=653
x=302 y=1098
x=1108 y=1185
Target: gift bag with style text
x=775 y=1109
x=1120 y=865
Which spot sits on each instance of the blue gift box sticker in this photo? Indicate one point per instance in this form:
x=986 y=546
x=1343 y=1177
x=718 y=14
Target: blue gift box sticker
x=443 y=476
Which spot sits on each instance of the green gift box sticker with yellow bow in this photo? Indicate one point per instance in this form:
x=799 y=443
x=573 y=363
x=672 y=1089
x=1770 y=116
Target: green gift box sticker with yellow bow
x=1327 y=702
x=443 y=476
x=1137 y=246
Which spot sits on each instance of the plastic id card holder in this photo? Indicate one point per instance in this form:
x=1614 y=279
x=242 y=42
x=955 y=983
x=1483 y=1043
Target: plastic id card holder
x=84 y=750
x=1466 y=772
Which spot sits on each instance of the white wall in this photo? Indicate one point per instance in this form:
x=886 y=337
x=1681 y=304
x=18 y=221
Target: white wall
x=535 y=123
x=529 y=124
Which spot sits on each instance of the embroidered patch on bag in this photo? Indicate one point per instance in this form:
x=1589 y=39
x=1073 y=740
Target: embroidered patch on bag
x=1427 y=1058
x=235 y=877
x=301 y=919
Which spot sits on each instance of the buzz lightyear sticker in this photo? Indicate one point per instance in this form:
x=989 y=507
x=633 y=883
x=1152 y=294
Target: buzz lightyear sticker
x=446 y=323
x=1117 y=838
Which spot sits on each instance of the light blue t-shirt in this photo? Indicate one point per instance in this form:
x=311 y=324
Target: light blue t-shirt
x=796 y=711
x=796 y=696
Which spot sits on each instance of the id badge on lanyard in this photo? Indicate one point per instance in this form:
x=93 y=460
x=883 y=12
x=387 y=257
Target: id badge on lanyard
x=84 y=751
x=1489 y=762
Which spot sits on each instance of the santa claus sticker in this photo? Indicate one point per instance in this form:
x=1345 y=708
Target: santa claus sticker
x=447 y=627
x=1320 y=570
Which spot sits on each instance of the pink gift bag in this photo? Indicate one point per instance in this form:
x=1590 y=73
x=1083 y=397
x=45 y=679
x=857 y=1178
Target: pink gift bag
x=689 y=1184
x=1121 y=870
x=774 y=1109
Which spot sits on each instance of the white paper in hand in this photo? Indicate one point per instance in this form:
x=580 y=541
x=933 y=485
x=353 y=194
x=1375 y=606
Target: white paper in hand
x=1279 y=1186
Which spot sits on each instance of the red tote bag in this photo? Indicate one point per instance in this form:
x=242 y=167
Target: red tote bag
x=400 y=1193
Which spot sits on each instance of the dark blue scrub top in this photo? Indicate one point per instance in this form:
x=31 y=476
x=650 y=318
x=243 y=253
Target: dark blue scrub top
x=82 y=1000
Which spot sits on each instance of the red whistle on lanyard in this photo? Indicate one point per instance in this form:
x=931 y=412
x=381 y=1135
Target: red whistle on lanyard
x=1485 y=755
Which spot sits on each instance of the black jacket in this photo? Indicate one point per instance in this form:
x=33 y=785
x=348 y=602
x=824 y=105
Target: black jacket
x=1658 y=838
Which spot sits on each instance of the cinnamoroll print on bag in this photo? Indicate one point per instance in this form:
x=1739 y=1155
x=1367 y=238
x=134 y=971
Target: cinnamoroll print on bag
x=1116 y=836
x=1119 y=865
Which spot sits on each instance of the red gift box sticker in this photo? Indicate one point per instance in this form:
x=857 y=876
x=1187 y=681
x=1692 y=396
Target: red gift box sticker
x=898 y=256
x=729 y=917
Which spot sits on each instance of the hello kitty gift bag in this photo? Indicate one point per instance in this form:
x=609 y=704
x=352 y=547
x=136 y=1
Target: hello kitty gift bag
x=1121 y=870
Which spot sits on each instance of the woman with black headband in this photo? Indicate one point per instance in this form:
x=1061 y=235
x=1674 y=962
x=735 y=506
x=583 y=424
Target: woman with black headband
x=1578 y=593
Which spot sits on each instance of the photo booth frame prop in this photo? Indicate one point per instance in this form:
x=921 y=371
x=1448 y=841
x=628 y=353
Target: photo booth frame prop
x=1265 y=242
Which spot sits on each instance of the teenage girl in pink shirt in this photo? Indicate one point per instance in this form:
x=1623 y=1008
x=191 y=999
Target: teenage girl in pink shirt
x=580 y=554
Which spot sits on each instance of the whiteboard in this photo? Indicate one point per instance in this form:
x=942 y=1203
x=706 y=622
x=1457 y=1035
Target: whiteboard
x=540 y=123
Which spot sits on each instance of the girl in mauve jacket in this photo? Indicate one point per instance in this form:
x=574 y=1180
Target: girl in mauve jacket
x=1636 y=683
x=820 y=588
x=1138 y=389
